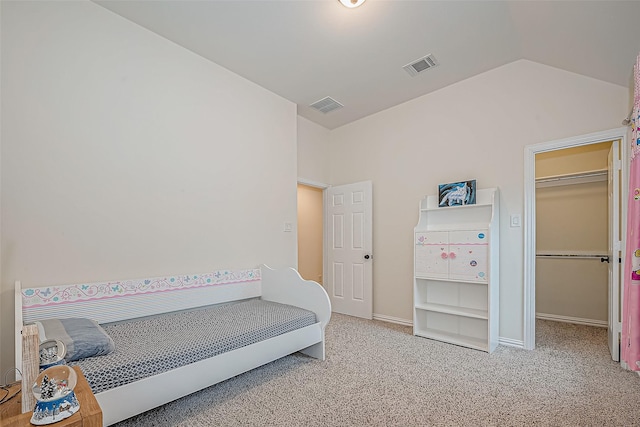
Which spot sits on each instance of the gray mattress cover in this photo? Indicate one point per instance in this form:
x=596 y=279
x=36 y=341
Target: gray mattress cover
x=148 y=346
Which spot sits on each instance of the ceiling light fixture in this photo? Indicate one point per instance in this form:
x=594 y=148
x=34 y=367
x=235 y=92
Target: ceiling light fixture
x=351 y=3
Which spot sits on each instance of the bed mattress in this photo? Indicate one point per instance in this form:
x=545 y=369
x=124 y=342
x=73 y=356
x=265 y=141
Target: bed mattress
x=148 y=346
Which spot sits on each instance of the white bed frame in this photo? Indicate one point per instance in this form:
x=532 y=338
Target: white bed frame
x=114 y=301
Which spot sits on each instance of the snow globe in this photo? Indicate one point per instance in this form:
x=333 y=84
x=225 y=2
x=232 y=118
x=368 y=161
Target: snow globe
x=52 y=353
x=53 y=390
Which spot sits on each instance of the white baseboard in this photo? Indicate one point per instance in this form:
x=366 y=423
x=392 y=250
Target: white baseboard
x=502 y=341
x=510 y=342
x=569 y=319
x=391 y=319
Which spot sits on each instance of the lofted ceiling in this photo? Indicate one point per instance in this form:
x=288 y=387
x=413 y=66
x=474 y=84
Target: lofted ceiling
x=306 y=50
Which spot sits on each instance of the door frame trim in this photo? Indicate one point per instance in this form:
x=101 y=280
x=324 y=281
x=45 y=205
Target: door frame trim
x=315 y=184
x=529 y=220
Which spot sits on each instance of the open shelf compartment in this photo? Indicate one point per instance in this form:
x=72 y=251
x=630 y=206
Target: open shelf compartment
x=460 y=330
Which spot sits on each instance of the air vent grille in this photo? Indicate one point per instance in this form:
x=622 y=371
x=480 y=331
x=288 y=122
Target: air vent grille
x=423 y=64
x=326 y=105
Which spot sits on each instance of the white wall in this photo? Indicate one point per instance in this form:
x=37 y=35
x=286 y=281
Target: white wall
x=313 y=152
x=125 y=156
x=473 y=129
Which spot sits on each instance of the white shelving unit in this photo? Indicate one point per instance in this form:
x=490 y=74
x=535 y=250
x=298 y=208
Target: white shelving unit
x=456 y=272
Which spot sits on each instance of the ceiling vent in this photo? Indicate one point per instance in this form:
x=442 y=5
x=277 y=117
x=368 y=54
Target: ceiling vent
x=420 y=65
x=326 y=105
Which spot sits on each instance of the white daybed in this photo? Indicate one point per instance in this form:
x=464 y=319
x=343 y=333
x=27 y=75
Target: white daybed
x=131 y=299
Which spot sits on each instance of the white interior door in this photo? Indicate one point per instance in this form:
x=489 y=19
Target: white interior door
x=349 y=279
x=614 y=248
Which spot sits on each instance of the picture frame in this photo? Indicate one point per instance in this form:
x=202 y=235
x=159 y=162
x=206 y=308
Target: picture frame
x=458 y=193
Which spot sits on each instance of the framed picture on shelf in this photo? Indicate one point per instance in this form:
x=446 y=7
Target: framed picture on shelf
x=457 y=193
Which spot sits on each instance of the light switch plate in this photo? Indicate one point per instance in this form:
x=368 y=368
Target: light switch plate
x=516 y=220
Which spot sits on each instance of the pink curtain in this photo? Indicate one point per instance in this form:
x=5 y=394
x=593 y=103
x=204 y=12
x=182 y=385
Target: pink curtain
x=630 y=345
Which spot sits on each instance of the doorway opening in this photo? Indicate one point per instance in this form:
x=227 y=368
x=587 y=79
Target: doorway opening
x=311 y=232
x=572 y=238
x=530 y=222
x=572 y=235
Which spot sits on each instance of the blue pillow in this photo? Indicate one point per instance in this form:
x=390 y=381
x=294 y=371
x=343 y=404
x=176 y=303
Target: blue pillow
x=82 y=337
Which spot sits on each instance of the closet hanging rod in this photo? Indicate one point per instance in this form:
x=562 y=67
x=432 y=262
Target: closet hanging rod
x=572 y=256
x=599 y=175
x=569 y=176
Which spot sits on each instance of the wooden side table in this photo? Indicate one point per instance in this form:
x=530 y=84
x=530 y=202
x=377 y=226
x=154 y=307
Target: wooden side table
x=89 y=415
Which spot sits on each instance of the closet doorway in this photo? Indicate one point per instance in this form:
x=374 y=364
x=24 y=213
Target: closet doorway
x=572 y=235
x=310 y=232
x=614 y=251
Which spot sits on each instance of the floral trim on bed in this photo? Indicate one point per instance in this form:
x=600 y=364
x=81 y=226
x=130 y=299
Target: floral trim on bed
x=36 y=297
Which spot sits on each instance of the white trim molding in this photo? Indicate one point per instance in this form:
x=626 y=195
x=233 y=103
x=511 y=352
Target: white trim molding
x=574 y=320
x=315 y=184
x=391 y=319
x=509 y=342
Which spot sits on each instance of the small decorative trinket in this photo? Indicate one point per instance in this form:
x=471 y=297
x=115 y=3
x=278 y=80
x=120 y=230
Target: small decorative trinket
x=52 y=353
x=53 y=390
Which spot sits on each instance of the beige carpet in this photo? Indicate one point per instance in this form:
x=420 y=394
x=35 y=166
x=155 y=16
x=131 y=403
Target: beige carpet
x=378 y=374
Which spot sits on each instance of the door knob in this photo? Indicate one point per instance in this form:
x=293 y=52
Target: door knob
x=367 y=256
